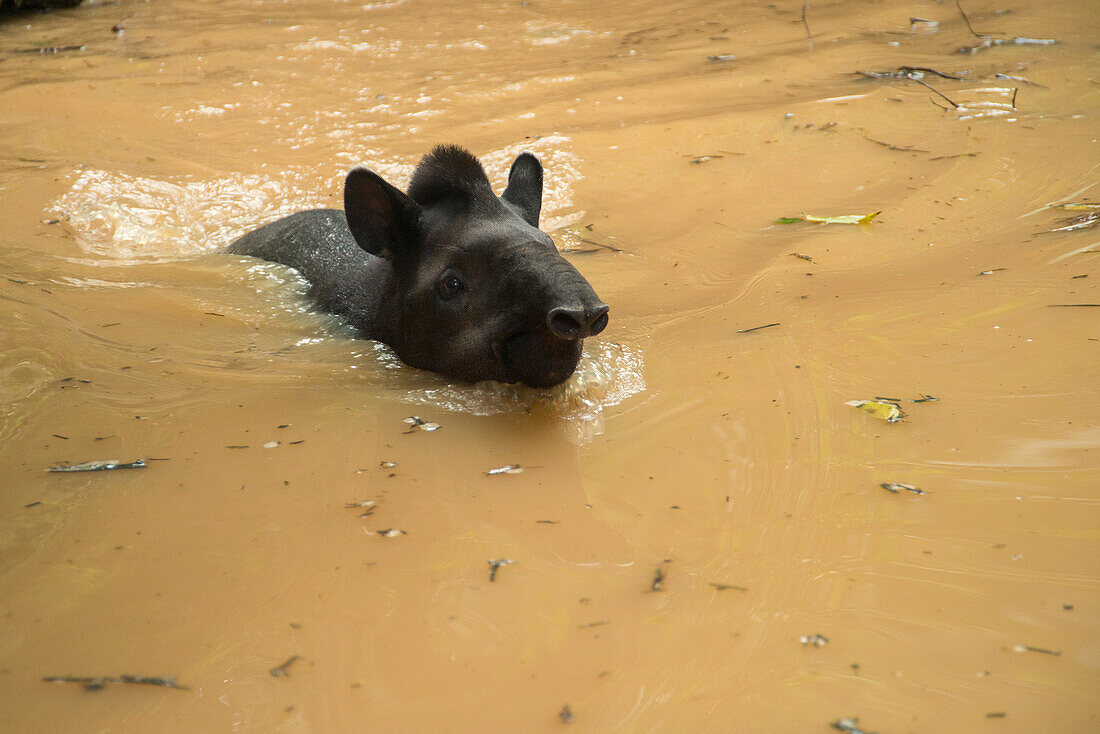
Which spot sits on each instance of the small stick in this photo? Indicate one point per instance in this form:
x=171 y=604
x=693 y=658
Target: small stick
x=967 y=20
x=756 y=328
x=921 y=81
x=281 y=671
x=598 y=244
x=805 y=23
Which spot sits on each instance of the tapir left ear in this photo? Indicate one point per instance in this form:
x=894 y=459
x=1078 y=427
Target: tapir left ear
x=382 y=219
x=524 y=190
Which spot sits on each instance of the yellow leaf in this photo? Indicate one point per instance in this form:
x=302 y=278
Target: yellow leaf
x=844 y=219
x=886 y=411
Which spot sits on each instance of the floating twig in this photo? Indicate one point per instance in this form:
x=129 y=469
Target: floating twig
x=105 y=465
x=891 y=146
x=367 y=506
x=598 y=623
x=926 y=84
x=908 y=72
x=757 y=328
x=966 y=19
x=281 y=671
x=806 y=25
x=494 y=566
x=95 y=683
x=727 y=587
x=897 y=487
x=612 y=248
x=506 y=469
x=51 y=49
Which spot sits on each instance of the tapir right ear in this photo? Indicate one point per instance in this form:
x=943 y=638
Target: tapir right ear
x=524 y=190
x=382 y=219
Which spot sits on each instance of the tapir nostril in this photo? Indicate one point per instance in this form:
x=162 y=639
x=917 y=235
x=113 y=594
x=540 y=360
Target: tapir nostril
x=575 y=323
x=599 y=320
x=567 y=323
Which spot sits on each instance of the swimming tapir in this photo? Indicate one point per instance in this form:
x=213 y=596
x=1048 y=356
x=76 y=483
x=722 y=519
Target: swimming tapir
x=454 y=278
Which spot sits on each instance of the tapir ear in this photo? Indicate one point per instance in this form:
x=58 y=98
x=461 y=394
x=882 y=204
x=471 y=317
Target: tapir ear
x=382 y=219
x=524 y=189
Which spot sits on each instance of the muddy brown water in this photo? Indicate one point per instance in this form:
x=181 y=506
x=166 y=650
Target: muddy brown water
x=725 y=458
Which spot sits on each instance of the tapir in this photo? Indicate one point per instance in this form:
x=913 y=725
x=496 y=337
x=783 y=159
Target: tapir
x=455 y=279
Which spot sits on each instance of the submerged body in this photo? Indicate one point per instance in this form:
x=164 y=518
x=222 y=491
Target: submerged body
x=455 y=279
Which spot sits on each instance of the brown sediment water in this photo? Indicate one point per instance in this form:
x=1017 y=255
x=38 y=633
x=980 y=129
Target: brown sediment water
x=691 y=442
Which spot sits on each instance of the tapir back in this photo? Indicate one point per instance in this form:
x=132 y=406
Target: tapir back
x=319 y=245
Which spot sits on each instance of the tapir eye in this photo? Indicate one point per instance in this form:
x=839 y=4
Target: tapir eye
x=450 y=286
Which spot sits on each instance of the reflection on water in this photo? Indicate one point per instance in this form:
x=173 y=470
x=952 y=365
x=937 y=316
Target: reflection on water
x=608 y=374
x=124 y=216
x=119 y=215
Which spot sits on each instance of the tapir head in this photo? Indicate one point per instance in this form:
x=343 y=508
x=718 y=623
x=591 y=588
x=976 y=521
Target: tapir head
x=478 y=291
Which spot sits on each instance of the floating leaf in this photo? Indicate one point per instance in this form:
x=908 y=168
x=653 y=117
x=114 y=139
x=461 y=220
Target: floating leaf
x=845 y=219
x=888 y=412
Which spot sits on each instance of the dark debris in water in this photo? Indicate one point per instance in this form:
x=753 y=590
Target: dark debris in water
x=367 y=506
x=495 y=564
x=658 y=580
x=988 y=41
x=95 y=683
x=910 y=72
x=506 y=469
x=52 y=49
x=566 y=714
x=416 y=423
x=281 y=671
x=757 y=328
x=104 y=465
x=898 y=488
x=849 y=725
x=727 y=587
